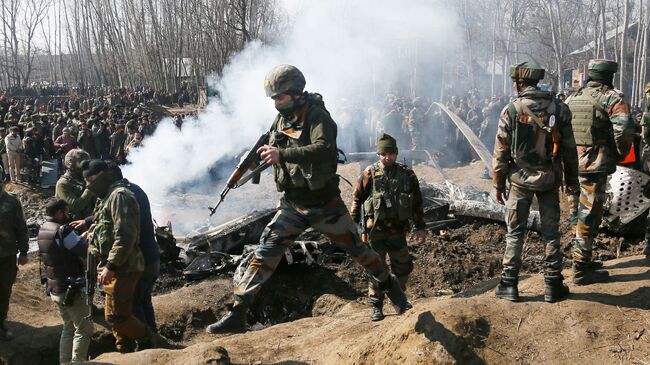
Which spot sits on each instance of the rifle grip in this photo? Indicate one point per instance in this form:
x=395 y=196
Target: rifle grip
x=256 y=178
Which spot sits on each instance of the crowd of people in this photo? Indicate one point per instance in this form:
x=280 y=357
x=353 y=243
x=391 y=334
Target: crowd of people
x=37 y=129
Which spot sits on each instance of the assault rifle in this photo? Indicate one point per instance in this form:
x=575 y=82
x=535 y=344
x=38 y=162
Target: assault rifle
x=91 y=281
x=237 y=178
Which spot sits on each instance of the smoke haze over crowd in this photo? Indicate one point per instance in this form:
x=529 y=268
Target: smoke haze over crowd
x=349 y=51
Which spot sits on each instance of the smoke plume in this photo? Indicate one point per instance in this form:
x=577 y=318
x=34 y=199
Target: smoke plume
x=352 y=52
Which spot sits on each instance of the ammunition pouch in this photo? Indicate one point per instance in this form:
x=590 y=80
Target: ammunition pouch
x=390 y=198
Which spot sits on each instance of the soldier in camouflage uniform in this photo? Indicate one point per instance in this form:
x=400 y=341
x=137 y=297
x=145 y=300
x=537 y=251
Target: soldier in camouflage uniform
x=416 y=121
x=534 y=143
x=13 y=239
x=114 y=239
x=71 y=187
x=603 y=133
x=390 y=195
x=302 y=150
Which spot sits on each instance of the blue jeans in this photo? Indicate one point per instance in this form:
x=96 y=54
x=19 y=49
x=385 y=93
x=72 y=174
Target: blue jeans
x=142 y=306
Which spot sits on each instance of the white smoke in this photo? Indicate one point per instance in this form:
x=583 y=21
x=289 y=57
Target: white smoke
x=348 y=50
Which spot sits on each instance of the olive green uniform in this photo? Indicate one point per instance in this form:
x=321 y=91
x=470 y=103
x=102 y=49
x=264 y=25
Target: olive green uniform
x=307 y=176
x=114 y=239
x=80 y=200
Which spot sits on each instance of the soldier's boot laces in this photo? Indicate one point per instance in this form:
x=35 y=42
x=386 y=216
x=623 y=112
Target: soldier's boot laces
x=555 y=289
x=395 y=293
x=585 y=274
x=377 y=311
x=233 y=322
x=507 y=288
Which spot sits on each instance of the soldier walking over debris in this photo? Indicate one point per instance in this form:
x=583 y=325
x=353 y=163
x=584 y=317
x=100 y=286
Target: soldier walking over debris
x=603 y=134
x=534 y=142
x=302 y=150
x=390 y=195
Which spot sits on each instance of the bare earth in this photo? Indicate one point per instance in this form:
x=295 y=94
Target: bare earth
x=318 y=315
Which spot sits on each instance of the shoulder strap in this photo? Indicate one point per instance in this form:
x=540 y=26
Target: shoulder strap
x=596 y=105
x=530 y=114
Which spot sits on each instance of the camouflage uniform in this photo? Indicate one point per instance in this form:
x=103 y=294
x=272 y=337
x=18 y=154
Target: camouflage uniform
x=604 y=133
x=388 y=226
x=416 y=121
x=71 y=187
x=114 y=239
x=305 y=136
x=13 y=238
x=530 y=152
x=73 y=191
x=307 y=176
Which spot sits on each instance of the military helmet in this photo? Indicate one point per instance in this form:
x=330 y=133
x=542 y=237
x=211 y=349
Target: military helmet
x=602 y=66
x=284 y=79
x=75 y=157
x=527 y=71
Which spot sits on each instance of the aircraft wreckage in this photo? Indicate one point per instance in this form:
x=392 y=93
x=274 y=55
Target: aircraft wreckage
x=230 y=246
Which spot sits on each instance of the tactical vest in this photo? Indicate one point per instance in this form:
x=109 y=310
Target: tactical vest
x=311 y=175
x=59 y=263
x=591 y=124
x=391 y=197
x=525 y=144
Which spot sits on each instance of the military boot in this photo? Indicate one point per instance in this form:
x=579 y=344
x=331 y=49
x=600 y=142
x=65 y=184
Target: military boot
x=585 y=274
x=555 y=288
x=233 y=322
x=595 y=265
x=507 y=288
x=646 y=251
x=377 y=311
x=395 y=293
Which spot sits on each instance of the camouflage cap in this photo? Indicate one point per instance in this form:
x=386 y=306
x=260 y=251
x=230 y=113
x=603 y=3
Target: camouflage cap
x=284 y=79
x=75 y=157
x=527 y=71
x=602 y=66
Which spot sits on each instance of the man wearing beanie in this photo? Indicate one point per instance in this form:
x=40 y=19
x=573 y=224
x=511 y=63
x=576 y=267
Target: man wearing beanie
x=390 y=196
x=603 y=133
x=114 y=241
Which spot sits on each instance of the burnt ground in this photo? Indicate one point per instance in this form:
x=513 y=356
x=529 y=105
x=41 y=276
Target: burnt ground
x=450 y=261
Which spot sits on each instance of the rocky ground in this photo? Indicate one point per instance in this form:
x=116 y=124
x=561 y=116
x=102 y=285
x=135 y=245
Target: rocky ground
x=317 y=314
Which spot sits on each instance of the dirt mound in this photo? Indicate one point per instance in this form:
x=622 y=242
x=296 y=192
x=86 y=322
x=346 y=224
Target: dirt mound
x=601 y=323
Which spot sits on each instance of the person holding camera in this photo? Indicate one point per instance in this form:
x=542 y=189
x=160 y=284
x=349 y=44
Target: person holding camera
x=63 y=255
